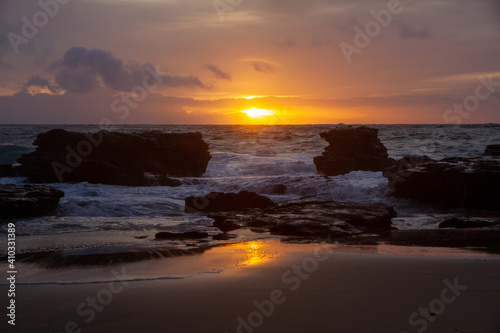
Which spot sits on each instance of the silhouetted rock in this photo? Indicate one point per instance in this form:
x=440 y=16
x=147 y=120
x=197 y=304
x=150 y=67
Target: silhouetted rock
x=112 y=158
x=451 y=182
x=312 y=218
x=352 y=149
x=220 y=202
x=462 y=224
x=492 y=150
x=7 y=170
x=181 y=235
x=27 y=200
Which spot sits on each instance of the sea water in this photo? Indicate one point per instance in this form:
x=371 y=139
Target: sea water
x=253 y=158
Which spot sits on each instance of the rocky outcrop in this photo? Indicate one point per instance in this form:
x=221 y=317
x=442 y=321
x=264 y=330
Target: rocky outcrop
x=492 y=150
x=135 y=159
x=451 y=182
x=27 y=200
x=310 y=218
x=7 y=170
x=220 y=202
x=352 y=149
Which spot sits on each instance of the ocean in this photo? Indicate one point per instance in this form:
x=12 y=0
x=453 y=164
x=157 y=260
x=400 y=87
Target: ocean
x=253 y=158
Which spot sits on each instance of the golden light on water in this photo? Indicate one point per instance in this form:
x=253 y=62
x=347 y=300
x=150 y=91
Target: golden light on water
x=258 y=113
x=255 y=254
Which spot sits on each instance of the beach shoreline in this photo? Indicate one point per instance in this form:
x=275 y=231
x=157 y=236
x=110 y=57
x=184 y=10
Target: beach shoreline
x=270 y=286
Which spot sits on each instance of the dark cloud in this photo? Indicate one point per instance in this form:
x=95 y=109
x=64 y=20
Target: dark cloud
x=38 y=81
x=262 y=66
x=218 y=72
x=82 y=70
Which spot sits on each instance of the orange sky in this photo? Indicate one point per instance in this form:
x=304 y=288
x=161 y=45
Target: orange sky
x=305 y=61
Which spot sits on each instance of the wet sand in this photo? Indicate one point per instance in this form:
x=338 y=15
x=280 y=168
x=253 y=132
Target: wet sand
x=270 y=286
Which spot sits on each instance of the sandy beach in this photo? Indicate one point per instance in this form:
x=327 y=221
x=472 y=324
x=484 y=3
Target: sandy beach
x=270 y=286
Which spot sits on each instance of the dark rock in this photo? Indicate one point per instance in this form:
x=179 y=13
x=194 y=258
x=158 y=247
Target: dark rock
x=278 y=189
x=181 y=235
x=451 y=182
x=7 y=170
x=462 y=224
x=352 y=149
x=225 y=224
x=115 y=158
x=223 y=236
x=220 y=202
x=27 y=200
x=312 y=218
x=492 y=150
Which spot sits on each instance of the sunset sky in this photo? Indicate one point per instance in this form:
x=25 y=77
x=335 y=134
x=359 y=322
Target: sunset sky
x=203 y=62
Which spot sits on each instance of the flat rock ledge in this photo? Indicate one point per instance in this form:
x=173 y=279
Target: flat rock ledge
x=24 y=201
x=472 y=182
x=308 y=217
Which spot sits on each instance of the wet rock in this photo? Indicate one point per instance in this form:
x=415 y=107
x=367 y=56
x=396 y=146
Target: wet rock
x=451 y=182
x=220 y=202
x=181 y=235
x=312 y=218
x=115 y=158
x=351 y=149
x=492 y=150
x=462 y=224
x=7 y=170
x=28 y=200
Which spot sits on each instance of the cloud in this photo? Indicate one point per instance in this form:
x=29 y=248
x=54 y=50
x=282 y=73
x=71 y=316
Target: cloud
x=261 y=66
x=83 y=70
x=218 y=73
x=38 y=81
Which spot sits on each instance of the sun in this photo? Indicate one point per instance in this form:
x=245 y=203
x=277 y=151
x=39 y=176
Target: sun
x=258 y=113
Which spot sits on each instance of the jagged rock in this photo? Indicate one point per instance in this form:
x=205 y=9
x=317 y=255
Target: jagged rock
x=181 y=235
x=462 y=224
x=492 y=150
x=115 y=158
x=451 y=182
x=312 y=218
x=220 y=202
x=7 y=170
x=352 y=149
x=27 y=200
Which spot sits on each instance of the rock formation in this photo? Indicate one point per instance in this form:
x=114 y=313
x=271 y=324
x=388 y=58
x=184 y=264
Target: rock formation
x=27 y=200
x=308 y=217
x=352 y=149
x=220 y=202
x=451 y=182
x=112 y=158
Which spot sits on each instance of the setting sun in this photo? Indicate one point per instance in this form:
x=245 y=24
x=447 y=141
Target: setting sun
x=258 y=113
